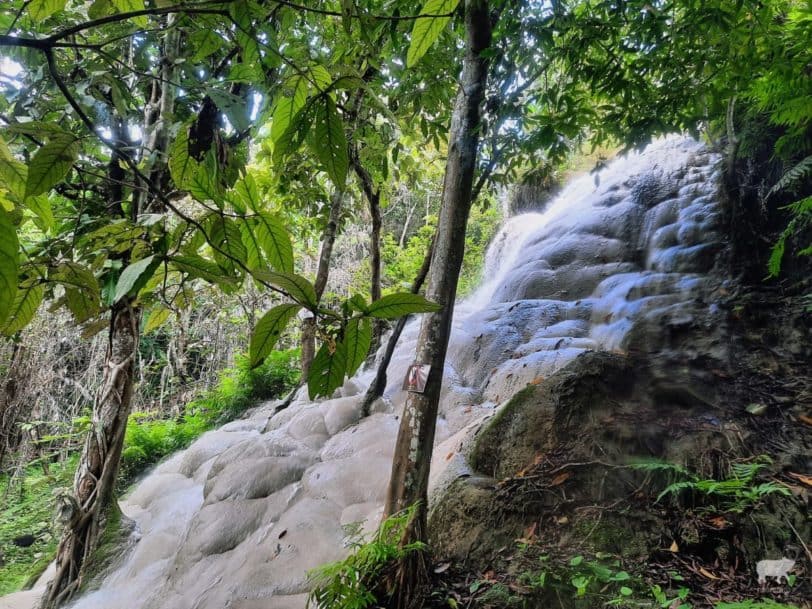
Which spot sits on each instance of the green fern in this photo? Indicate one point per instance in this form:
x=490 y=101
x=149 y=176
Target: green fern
x=793 y=179
x=351 y=583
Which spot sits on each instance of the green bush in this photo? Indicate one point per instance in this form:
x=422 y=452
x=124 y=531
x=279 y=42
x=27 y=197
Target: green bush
x=149 y=438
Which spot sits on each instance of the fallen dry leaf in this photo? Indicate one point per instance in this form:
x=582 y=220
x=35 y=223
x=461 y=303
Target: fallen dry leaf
x=562 y=520
x=448 y=456
x=806 y=419
x=560 y=478
x=718 y=521
x=674 y=547
x=536 y=381
x=707 y=573
x=807 y=480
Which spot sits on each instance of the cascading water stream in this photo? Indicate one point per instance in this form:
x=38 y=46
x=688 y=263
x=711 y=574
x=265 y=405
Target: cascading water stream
x=237 y=519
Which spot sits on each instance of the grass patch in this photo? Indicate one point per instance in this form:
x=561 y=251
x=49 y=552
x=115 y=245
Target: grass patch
x=27 y=509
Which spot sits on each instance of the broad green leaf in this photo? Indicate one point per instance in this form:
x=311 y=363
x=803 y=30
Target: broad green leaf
x=268 y=330
x=295 y=286
x=181 y=164
x=253 y=250
x=41 y=207
x=82 y=303
x=82 y=293
x=23 y=309
x=13 y=173
x=275 y=241
x=248 y=192
x=321 y=77
x=8 y=264
x=38 y=129
x=129 y=6
x=203 y=185
x=156 y=319
x=357 y=341
x=358 y=303
x=51 y=163
x=226 y=237
x=137 y=272
x=328 y=141
x=42 y=9
x=400 y=304
x=426 y=30
x=327 y=371
x=287 y=107
x=101 y=8
x=201 y=268
x=205 y=42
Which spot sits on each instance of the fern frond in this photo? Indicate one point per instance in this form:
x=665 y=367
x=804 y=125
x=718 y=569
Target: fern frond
x=792 y=179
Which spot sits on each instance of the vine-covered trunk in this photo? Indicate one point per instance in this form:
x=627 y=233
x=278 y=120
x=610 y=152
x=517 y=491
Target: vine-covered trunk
x=84 y=512
x=328 y=239
x=410 y=468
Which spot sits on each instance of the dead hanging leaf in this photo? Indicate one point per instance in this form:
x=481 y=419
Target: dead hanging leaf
x=704 y=572
x=561 y=478
x=674 y=547
x=803 y=479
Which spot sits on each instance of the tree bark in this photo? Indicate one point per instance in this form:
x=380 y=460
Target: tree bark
x=328 y=239
x=84 y=513
x=373 y=197
x=413 y=450
x=378 y=385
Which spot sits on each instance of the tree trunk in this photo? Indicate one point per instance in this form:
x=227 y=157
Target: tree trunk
x=378 y=385
x=413 y=450
x=373 y=197
x=84 y=512
x=328 y=239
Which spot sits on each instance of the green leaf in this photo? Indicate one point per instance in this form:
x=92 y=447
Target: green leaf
x=357 y=341
x=51 y=163
x=156 y=319
x=42 y=9
x=295 y=286
x=182 y=166
x=13 y=173
x=226 y=237
x=400 y=304
x=328 y=141
x=268 y=330
x=320 y=77
x=41 y=207
x=201 y=268
x=358 y=303
x=426 y=30
x=8 y=264
x=248 y=193
x=23 y=309
x=136 y=273
x=275 y=241
x=129 y=6
x=286 y=108
x=327 y=371
x=205 y=42
x=82 y=294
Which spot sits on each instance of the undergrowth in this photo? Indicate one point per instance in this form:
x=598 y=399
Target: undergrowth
x=357 y=581
x=27 y=510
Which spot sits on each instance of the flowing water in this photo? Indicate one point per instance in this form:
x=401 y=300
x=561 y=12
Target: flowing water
x=237 y=519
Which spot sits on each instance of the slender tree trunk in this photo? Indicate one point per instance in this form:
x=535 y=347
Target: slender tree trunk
x=328 y=239
x=85 y=512
x=373 y=197
x=413 y=450
x=378 y=385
